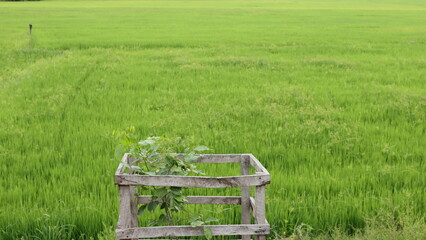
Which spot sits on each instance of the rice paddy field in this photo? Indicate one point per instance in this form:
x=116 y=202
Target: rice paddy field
x=329 y=95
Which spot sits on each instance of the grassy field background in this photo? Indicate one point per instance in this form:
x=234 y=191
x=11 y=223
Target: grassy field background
x=329 y=95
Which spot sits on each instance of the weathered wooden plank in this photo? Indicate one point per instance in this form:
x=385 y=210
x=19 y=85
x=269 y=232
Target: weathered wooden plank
x=120 y=169
x=245 y=195
x=124 y=161
x=257 y=165
x=216 y=158
x=133 y=199
x=201 y=200
x=124 y=219
x=191 y=181
x=260 y=217
x=125 y=158
x=181 y=231
x=133 y=207
x=219 y=158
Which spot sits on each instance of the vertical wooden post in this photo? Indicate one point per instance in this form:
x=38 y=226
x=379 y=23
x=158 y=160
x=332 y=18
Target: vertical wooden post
x=245 y=195
x=133 y=207
x=133 y=199
x=128 y=203
x=260 y=208
x=124 y=220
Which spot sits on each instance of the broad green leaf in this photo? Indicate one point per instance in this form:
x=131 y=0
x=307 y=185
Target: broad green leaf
x=163 y=172
x=201 y=148
x=197 y=223
x=195 y=218
x=152 y=205
x=154 y=156
x=154 y=148
x=146 y=142
x=176 y=169
x=211 y=219
x=208 y=233
x=191 y=158
x=141 y=209
x=199 y=172
x=176 y=190
x=136 y=168
x=163 y=217
x=161 y=192
x=181 y=199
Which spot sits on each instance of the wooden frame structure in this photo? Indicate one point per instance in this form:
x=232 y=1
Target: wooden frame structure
x=127 y=227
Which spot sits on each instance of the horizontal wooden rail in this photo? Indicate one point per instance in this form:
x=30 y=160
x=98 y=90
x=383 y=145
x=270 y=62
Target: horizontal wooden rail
x=201 y=200
x=202 y=158
x=191 y=181
x=182 y=231
x=219 y=158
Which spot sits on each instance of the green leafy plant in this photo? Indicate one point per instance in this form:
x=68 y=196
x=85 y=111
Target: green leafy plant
x=163 y=156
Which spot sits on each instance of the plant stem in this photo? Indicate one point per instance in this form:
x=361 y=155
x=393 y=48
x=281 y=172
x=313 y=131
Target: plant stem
x=169 y=215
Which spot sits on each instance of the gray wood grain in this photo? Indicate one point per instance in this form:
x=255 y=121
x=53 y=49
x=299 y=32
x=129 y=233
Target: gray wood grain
x=230 y=200
x=132 y=197
x=191 y=181
x=245 y=195
x=219 y=158
x=124 y=219
x=260 y=217
x=181 y=231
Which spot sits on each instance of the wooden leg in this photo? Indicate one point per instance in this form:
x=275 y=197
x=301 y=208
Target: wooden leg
x=260 y=208
x=245 y=196
x=133 y=207
x=133 y=198
x=124 y=220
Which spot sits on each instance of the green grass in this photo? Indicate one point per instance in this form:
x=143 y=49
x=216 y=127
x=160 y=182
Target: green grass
x=330 y=96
